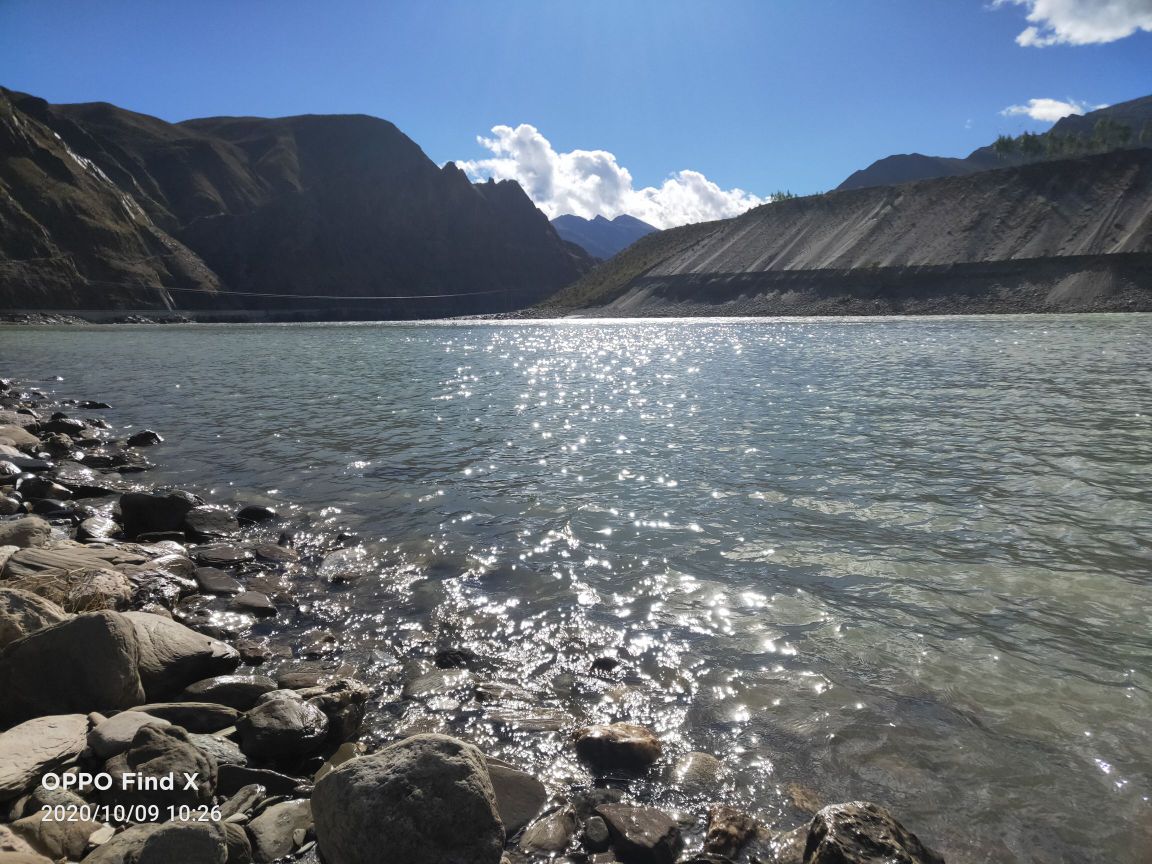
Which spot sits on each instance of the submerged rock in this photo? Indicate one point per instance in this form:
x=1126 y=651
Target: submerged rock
x=207 y=523
x=644 y=835
x=622 y=747
x=366 y=806
x=145 y=438
x=255 y=513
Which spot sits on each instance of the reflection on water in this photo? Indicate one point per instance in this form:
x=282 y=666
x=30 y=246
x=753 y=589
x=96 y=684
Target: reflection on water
x=904 y=561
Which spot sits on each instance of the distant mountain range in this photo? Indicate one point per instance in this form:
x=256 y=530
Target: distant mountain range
x=1050 y=236
x=103 y=208
x=602 y=238
x=1135 y=115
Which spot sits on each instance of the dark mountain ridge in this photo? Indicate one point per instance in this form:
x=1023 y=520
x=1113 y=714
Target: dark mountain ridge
x=600 y=237
x=107 y=208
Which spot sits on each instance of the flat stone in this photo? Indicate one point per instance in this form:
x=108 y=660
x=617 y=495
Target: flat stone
x=213 y=580
x=254 y=603
x=204 y=524
x=221 y=555
x=114 y=735
x=22 y=612
x=276 y=554
x=63 y=556
x=237 y=691
x=272 y=831
x=29 y=750
x=642 y=834
x=194 y=716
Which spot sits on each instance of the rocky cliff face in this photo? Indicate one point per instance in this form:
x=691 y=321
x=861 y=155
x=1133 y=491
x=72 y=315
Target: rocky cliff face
x=1052 y=236
x=105 y=208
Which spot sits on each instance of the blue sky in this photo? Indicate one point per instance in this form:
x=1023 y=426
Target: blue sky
x=761 y=95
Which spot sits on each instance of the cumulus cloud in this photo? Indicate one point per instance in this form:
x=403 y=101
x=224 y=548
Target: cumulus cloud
x=1081 y=22
x=592 y=183
x=1048 y=110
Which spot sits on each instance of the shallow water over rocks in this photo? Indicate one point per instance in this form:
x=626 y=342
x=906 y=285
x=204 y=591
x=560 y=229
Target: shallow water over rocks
x=903 y=561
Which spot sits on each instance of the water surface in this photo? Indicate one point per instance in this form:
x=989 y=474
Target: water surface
x=898 y=560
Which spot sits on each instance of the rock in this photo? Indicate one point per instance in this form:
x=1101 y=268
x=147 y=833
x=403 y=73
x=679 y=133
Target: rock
x=65 y=556
x=145 y=512
x=322 y=643
x=233 y=778
x=346 y=751
x=438 y=682
x=144 y=438
x=271 y=832
x=253 y=652
x=696 y=773
x=552 y=834
x=456 y=658
x=22 y=612
x=29 y=750
x=862 y=833
x=207 y=523
x=282 y=728
x=161 y=537
x=162 y=752
x=56 y=838
x=239 y=845
x=224 y=751
x=14 y=850
x=220 y=555
x=88 y=663
x=173 y=656
x=194 y=716
x=19 y=437
x=174 y=842
x=81 y=590
x=644 y=835
x=254 y=513
x=236 y=691
x=619 y=747
x=212 y=580
x=243 y=801
x=97 y=528
x=39 y=488
x=301 y=680
x=368 y=805
x=6 y=552
x=8 y=507
x=91 y=405
x=86 y=483
x=254 y=603
x=272 y=553
x=158 y=588
x=729 y=831
x=596 y=836
x=346 y=565
x=26 y=532
x=519 y=796
x=343 y=702
x=64 y=426
x=115 y=735
x=30 y=463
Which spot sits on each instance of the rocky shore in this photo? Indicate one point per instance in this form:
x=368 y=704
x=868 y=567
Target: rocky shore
x=136 y=726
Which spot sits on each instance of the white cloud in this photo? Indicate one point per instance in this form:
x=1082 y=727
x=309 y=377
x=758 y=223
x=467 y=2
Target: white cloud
x=1081 y=22
x=592 y=183
x=1048 y=110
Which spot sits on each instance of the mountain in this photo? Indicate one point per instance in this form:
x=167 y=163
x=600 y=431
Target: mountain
x=1056 y=236
x=602 y=238
x=103 y=208
x=1135 y=115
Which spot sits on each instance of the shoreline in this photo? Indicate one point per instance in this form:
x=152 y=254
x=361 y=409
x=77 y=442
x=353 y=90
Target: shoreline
x=109 y=668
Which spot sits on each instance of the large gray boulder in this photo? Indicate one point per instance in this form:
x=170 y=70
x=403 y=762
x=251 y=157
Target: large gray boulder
x=163 y=752
x=426 y=800
x=173 y=656
x=863 y=833
x=22 y=612
x=174 y=842
x=88 y=663
x=29 y=750
x=26 y=532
